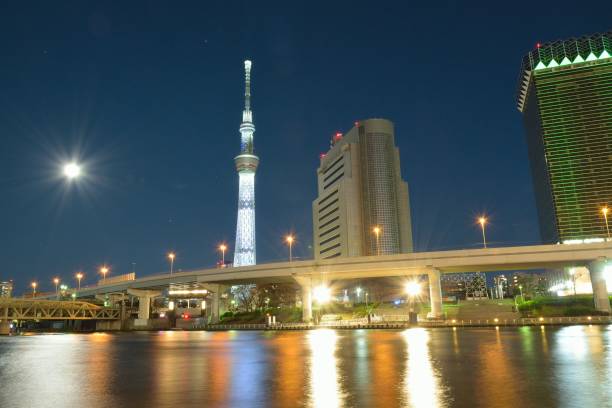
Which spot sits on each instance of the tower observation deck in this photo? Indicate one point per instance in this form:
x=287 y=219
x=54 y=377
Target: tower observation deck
x=246 y=165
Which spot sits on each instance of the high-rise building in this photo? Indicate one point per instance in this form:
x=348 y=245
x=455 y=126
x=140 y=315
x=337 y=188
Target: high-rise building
x=6 y=289
x=565 y=95
x=363 y=206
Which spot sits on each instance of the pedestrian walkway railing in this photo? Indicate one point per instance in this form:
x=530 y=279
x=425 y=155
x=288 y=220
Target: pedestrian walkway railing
x=362 y=323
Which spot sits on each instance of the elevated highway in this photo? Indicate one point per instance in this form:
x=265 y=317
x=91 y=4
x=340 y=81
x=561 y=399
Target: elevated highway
x=310 y=273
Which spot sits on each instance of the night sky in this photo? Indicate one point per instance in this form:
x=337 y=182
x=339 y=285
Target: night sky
x=149 y=96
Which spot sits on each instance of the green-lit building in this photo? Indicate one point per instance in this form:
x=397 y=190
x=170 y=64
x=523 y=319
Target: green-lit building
x=565 y=95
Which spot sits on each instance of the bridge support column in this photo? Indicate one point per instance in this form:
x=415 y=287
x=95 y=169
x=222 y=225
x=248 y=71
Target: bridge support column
x=144 y=305
x=435 y=293
x=219 y=304
x=5 y=324
x=306 y=287
x=597 y=271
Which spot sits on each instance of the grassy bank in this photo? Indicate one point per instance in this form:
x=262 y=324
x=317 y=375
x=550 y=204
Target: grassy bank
x=581 y=305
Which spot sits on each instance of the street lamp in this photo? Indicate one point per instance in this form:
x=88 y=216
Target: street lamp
x=482 y=221
x=56 y=281
x=104 y=270
x=605 y=211
x=222 y=248
x=322 y=294
x=289 y=239
x=413 y=289
x=377 y=230
x=171 y=257
x=358 y=291
x=79 y=276
x=34 y=285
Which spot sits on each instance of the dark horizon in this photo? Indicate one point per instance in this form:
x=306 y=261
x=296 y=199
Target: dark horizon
x=149 y=98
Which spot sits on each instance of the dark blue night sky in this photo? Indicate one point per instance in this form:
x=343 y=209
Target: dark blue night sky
x=149 y=97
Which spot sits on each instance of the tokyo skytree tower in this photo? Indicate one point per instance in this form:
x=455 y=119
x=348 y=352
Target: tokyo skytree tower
x=246 y=165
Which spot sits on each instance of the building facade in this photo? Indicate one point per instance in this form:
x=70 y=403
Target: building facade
x=565 y=95
x=6 y=289
x=360 y=188
x=246 y=166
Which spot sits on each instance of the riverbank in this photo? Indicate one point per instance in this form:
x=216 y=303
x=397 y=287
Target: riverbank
x=541 y=321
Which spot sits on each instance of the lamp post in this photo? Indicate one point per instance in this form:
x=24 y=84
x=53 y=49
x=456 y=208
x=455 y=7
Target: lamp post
x=482 y=221
x=171 y=257
x=34 y=285
x=605 y=211
x=377 y=230
x=104 y=270
x=289 y=239
x=358 y=291
x=222 y=248
x=413 y=289
x=79 y=276
x=56 y=281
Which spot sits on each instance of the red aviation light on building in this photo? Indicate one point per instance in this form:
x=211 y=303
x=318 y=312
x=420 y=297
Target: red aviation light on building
x=356 y=123
x=538 y=45
x=337 y=137
x=322 y=156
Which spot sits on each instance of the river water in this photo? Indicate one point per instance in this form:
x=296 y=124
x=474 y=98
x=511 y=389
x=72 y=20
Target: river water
x=467 y=367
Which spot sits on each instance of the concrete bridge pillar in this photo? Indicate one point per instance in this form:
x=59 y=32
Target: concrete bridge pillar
x=597 y=271
x=144 y=305
x=435 y=293
x=5 y=324
x=218 y=305
x=306 y=287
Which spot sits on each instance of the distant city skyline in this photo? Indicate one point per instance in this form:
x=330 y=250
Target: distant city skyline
x=147 y=103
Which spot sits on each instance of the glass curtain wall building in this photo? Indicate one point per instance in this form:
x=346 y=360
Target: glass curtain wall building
x=565 y=95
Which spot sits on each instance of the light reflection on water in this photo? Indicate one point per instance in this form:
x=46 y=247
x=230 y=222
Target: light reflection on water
x=480 y=367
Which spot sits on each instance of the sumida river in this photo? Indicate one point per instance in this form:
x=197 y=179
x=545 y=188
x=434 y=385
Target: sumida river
x=467 y=367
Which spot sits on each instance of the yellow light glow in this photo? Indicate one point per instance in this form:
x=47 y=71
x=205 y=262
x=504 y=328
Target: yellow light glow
x=56 y=280
x=222 y=247
x=413 y=288
x=104 y=270
x=376 y=230
x=289 y=239
x=171 y=256
x=79 y=275
x=605 y=210
x=34 y=284
x=482 y=220
x=322 y=294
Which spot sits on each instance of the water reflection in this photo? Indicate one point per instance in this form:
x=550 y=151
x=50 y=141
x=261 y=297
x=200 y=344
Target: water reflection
x=475 y=367
x=421 y=381
x=324 y=389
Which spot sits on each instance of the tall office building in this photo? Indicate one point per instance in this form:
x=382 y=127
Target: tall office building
x=360 y=188
x=246 y=165
x=565 y=95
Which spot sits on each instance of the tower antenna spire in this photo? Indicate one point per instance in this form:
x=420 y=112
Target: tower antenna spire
x=247 y=85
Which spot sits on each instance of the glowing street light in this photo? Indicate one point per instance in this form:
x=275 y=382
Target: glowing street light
x=322 y=294
x=413 y=288
x=605 y=212
x=79 y=276
x=289 y=240
x=222 y=248
x=71 y=170
x=377 y=230
x=358 y=291
x=483 y=221
x=56 y=281
x=34 y=285
x=104 y=270
x=171 y=257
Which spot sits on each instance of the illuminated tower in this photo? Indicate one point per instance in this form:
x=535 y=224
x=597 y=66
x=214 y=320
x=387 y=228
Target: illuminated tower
x=246 y=165
x=565 y=95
